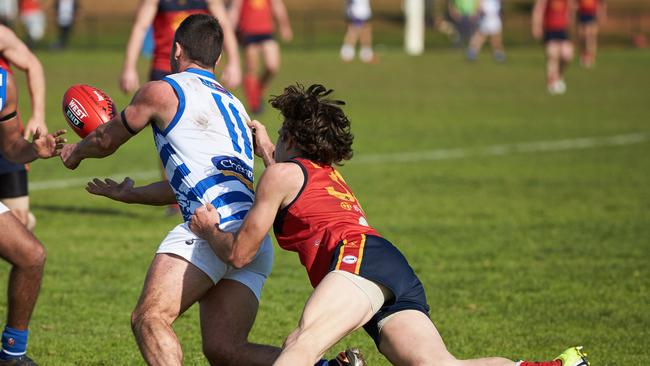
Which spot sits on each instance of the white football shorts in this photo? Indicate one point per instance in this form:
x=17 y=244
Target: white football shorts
x=182 y=242
x=490 y=25
x=358 y=10
x=3 y=208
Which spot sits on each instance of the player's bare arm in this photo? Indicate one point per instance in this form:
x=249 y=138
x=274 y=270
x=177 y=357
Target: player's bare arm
x=537 y=18
x=282 y=17
x=264 y=147
x=145 y=14
x=17 y=53
x=154 y=194
x=13 y=145
x=232 y=70
x=155 y=102
x=234 y=10
x=278 y=186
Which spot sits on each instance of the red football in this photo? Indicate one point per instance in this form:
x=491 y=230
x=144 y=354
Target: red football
x=86 y=107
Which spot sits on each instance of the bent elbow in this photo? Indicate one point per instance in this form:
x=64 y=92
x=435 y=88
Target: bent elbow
x=240 y=261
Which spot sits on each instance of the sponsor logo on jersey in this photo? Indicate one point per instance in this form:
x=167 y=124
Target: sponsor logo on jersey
x=352 y=244
x=75 y=113
x=346 y=206
x=212 y=85
x=230 y=165
x=350 y=259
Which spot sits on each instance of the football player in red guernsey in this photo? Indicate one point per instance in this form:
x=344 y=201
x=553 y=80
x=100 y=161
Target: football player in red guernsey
x=254 y=23
x=18 y=245
x=359 y=278
x=551 y=22
x=590 y=13
x=166 y=16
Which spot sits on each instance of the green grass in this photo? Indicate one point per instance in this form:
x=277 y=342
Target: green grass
x=521 y=255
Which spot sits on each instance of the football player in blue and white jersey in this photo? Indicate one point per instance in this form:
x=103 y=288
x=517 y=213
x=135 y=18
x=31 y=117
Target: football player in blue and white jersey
x=206 y=147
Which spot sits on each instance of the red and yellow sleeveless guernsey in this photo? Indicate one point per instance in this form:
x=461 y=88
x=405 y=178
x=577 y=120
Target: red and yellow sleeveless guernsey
x=556 y=15
x=256 y=17
x=323 y=215
x=170 y=15
x=587 y=7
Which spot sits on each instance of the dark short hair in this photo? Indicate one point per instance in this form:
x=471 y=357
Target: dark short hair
x=201 y=37
x=315 y=124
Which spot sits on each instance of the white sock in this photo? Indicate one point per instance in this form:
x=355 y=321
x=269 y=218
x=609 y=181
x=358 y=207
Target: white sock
x=366 y=54
x=347 y=52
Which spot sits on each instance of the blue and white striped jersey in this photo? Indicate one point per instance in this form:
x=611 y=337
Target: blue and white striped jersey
x=207 y=148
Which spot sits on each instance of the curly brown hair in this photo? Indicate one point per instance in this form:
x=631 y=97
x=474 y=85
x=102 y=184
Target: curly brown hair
x=316 y=125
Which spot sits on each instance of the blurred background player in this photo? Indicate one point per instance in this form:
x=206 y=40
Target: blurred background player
x=66 y=13
x=166 y=16
x=33 y=18
x=358 y=14
x=18 y=245
x=590 y=14
x=254 y=22
x=464 y=14
x=8 y=12
x=551 y=22
x=490 y=25
x=13 y=176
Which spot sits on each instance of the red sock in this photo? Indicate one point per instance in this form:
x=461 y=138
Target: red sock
x=546 y=363
x=252 y=90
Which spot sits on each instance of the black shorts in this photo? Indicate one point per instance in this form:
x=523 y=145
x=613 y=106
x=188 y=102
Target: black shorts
x=13 y=184
x=377 y=260
x=586 y=18
x=248 y=39
x=555 y=36
x=157 y=75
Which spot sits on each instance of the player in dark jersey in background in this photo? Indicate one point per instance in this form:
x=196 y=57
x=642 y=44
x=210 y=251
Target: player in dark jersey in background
x=13 y=176
x=359 y=278
x=165 y=16
x=590 y=14
x=254 y=22
x=18 y=246
x=551 y=22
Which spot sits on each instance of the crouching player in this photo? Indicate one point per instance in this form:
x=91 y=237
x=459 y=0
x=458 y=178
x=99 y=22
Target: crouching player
x=551 y=20
x=314 y=213
x=18 y=245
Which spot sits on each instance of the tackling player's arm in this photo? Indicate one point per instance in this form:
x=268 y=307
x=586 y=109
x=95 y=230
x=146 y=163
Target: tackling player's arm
x=155 y=194
x=232 y=70
x=144 y=16
x=234 y=11
x=154 y=102
x=13 y=146
x=264 y=147
x=538 y=19
x=278 y=186
x=17 y=53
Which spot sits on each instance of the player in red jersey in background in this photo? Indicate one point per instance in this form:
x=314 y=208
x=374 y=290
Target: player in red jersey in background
x=551 y=23
x=254 y=22
x=18 y=246
x=166 y=16
x=590 y=14
x=359 y=278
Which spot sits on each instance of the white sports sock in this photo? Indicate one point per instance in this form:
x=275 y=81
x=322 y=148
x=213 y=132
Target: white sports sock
x=347 y=52
x=366 y=54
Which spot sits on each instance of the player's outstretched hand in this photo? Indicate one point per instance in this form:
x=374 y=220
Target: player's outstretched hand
x=68 y=157
x=112 y=189
x=204 y=220
x=48 y=145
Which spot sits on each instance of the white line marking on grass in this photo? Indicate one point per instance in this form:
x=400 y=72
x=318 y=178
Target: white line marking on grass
x=415 y=156
x=505 y=149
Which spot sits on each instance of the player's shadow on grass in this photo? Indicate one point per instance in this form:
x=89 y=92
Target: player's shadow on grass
x=103 y=211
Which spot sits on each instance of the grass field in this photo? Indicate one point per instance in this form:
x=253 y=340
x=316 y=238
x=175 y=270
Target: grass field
x=524 y=248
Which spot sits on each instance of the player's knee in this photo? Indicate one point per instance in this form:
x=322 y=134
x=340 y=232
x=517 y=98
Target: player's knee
x=222 y=352
x=145 y=317
x=37 y=256
x=273 y=68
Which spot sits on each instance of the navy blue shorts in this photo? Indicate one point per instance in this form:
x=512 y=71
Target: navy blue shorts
x=157 y=74
x=248 y=39
x=377 y=260
x=13 y=184
x=586 y=18
x=7 y=166
x=555 y=36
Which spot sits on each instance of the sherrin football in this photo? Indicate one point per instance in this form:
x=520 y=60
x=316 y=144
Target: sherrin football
x=86 y=107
